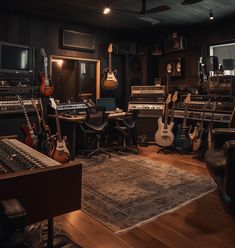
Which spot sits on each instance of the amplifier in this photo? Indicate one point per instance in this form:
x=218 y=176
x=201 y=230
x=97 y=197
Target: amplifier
x=148 y=91
x=221 y=85
x=197 y=115
x=147 y=109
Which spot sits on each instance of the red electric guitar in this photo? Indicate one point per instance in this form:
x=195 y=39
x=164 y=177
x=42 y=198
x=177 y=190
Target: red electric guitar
x=46 y=87
x=31 y=139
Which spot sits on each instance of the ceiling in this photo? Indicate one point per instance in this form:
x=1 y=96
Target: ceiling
x=89 y=12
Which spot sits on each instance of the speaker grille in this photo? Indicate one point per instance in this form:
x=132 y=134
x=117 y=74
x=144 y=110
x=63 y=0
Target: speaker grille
x=79 y=41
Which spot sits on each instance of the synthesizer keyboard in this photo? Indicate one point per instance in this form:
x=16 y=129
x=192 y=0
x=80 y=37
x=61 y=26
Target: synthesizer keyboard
x=16 y=156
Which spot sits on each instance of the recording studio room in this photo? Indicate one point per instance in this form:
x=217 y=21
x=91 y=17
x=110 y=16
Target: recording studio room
x=117 y=124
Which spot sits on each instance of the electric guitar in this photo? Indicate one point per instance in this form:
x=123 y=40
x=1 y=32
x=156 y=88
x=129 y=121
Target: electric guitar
x=182 y=140
x=109 y=80
x=164 y=136
x=198 y=131
x=59 y=150
x=209 y=139
x=174 y=99
x=46 y=88
x=44 y=131
x=31 y=139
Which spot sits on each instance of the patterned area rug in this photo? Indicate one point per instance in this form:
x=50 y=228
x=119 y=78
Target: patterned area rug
x=125 y=192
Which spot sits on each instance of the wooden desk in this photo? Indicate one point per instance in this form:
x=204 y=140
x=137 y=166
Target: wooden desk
x=76 y=119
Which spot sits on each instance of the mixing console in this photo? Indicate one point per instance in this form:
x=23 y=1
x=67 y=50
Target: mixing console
x=16 y=156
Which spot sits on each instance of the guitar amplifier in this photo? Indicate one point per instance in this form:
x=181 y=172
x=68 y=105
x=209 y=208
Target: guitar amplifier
x=221 y=85
x=148 y=91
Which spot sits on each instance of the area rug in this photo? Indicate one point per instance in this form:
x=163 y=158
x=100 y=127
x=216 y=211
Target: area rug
x=125 y=192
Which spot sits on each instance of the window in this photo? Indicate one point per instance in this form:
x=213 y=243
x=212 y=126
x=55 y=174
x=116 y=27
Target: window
x=226 y=56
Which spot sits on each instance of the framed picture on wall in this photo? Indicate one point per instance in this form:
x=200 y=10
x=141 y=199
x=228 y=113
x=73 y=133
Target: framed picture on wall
x=78 y=41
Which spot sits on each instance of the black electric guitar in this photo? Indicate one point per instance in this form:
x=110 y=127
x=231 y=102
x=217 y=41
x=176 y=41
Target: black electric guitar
x=109 y=80
x=31 y=138
x=59 y=150
x=43 y=130
x=182 y=140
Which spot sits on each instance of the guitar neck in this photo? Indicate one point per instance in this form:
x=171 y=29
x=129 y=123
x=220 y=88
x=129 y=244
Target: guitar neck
x=45 y=70
x=166 y=116
x=185 y=117
x=26 y=115
x=58 y=126
x=110 y=62
x=172 y=112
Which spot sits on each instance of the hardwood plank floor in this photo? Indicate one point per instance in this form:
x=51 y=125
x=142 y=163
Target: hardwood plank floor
x=201 y=223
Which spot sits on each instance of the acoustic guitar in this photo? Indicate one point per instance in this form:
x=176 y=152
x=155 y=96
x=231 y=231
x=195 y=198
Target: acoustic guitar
x=182 y=140
x=59 y=150
x=46 y=87
x=164 y=136
x=31 y=139
x=109 y=80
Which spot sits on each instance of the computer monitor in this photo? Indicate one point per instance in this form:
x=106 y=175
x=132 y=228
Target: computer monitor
x=108 y=103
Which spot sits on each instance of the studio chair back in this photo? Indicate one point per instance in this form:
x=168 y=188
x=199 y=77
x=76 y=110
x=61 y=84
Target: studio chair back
x=95 y=124
x=126 y=126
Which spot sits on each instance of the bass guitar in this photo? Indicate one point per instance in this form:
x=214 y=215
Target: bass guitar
x=182 y=140
x=174 y=99
x=164 y=136
x=31 y=139
x=46 y=87
x=44 y=131
x=109 y=80
x=59 y=150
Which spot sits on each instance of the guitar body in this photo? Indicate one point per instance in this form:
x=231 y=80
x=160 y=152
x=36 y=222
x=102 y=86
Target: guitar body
x=109 y=80
x=164 y=136
x=46 y=88
x=59 y=150
x=31 y=138
x=195 y=137
x=182 y=140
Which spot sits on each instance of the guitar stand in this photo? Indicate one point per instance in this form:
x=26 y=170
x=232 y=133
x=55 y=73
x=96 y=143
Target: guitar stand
x=167 y=150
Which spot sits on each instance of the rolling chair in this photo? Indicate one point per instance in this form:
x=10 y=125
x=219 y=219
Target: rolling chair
x=126 y=127
x=220 y=161
x=95 y=124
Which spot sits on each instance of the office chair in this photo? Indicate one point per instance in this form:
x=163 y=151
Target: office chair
x=126 y=127
x=95 y=124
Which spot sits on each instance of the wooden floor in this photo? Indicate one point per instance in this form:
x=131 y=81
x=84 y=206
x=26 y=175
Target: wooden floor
x=202 y=223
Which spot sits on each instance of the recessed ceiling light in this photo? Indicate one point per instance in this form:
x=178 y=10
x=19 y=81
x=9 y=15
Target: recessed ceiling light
x=106 y=10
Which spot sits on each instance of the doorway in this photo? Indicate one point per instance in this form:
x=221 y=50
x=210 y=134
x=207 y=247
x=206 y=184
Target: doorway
x=75 y=79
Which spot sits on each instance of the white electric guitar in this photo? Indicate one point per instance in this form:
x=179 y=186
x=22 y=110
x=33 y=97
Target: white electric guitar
x=164 y=136
x=109 y=80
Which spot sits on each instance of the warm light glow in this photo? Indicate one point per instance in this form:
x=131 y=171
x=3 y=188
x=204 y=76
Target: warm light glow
x=59 y=62
x=106 y=10
x=211 y=15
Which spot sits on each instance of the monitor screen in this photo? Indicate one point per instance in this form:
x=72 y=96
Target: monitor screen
x=14 y=57
x=108 y=103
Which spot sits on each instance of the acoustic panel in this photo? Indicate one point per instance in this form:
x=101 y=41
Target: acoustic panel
x=77 y=40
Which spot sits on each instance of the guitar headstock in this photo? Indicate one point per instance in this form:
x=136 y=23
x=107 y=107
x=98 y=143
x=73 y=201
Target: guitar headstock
x=53 y=103
x=168 y=100
x=175 y=96
x=187 y=99
x=42 y=51
x=110 y=48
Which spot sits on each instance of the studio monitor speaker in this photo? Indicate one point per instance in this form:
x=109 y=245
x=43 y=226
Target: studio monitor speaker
x=212 y=63
x=174 y=68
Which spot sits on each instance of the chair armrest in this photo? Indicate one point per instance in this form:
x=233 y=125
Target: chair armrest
x=221 y=135
x=229 y=150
